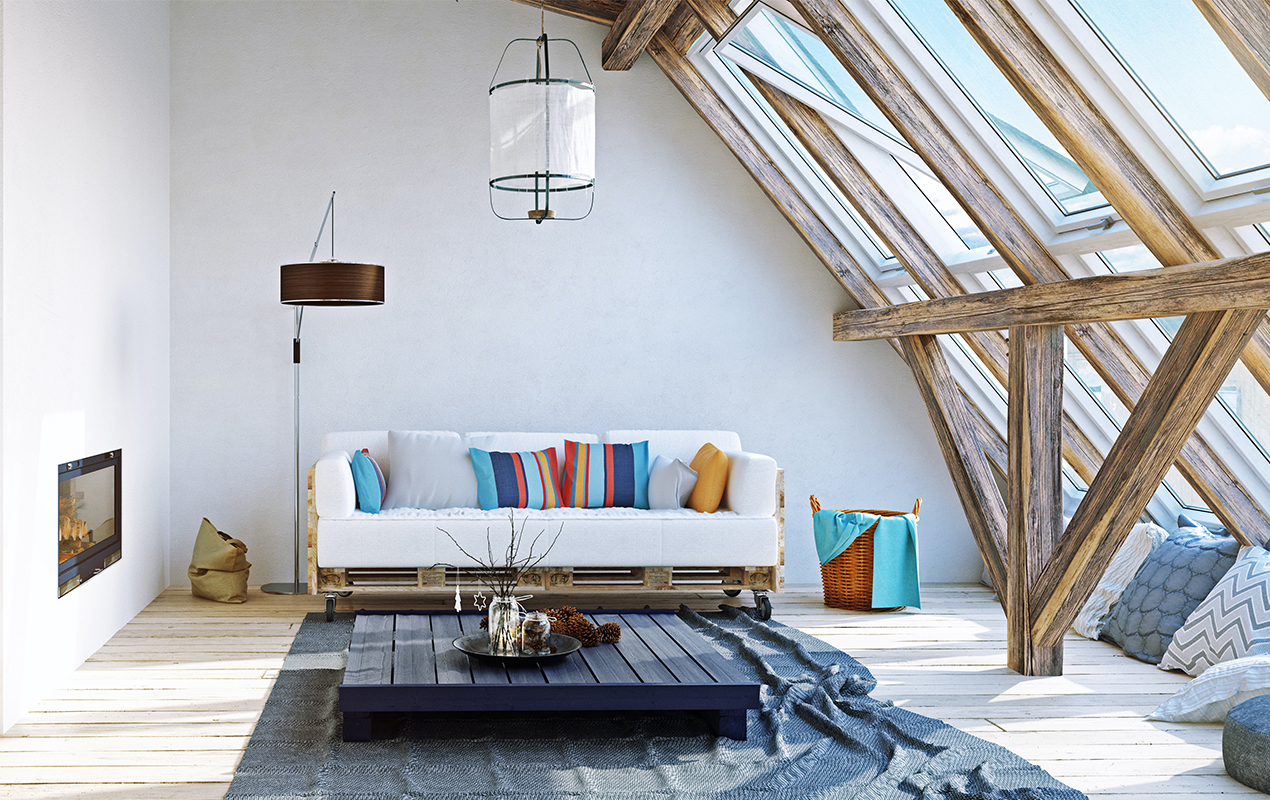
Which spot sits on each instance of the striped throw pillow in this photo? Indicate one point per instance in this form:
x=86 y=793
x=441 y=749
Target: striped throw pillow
x=605 y=475
x=516 y=480
x=1232 y=622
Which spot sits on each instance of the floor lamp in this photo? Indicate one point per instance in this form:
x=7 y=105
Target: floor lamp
x=320 y=283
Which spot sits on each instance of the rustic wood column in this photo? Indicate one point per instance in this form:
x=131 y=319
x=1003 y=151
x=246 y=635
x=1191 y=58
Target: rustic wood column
x=1035 y=490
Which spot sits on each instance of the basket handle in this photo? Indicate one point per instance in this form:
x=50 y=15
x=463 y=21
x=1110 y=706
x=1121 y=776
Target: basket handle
x=815 y=505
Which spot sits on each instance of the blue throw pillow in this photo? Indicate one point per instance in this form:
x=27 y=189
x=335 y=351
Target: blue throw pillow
x=368 y=479
x=1173 y=581
x=1184 y=521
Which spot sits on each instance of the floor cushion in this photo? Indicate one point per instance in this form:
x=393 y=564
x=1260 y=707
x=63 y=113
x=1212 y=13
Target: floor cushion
x=1175 y=579
x=1245 y=743
x=1094 y=615
x=1232 y=622
x=1211 y=696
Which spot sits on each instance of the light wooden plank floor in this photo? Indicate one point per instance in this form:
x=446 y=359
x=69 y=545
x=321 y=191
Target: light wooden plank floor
x=164 y=709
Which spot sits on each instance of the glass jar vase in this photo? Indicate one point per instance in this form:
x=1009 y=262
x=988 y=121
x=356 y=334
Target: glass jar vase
x=504 y=626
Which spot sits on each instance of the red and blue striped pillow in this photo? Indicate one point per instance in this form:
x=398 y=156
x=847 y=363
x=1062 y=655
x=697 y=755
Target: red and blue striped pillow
x=605 y=475
x=516 y=480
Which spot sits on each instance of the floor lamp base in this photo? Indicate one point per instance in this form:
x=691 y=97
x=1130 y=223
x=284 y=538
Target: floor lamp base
x=285 y=588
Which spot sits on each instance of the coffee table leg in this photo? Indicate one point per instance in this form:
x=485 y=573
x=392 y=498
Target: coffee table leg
x=357 y=726
x=729 y=723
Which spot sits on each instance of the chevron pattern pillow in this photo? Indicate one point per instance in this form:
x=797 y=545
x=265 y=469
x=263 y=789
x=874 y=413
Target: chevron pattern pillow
x=1232 y=622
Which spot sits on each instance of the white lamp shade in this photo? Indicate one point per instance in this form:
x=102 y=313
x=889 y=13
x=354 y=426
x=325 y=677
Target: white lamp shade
x=542 y=129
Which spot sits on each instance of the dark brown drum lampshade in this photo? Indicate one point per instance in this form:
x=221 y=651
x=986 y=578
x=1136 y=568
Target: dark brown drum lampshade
x=332 y=283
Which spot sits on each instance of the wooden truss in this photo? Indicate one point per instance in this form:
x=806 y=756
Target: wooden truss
x=1043 y=574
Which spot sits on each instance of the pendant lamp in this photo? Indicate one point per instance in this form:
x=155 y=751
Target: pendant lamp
x=541 y=132
x=319 y=283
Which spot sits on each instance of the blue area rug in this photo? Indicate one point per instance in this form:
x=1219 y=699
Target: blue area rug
x=818 y=735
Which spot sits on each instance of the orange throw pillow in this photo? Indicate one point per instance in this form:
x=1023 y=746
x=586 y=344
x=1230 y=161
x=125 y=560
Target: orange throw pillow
x=711 y=466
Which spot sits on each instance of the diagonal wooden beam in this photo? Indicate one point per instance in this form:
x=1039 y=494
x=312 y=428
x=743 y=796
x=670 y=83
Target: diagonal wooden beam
x=1244 y=27
x=878 y=76
x=1232 y=283
x=963 y=454
x=683 y=27
x=632 y=31
x=1035 y=490
x=1191 y=372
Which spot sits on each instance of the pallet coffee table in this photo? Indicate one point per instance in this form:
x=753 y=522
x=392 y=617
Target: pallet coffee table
x=407 y=662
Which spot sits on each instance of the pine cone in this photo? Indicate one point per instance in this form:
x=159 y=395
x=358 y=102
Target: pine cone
x=485 y=621
x=589 y=636
x=610 y=633
x=568 y=611
x=568 y=626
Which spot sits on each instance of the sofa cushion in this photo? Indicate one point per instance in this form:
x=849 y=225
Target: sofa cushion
x=516 y=480
x=369 y=482
x=682 y=445
x=433 y=470
x=1232 y=622
x=605 y=475
x=670 y=483
x=1176 y=578
x=711 y=465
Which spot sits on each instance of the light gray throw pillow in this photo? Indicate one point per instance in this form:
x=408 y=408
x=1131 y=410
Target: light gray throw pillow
x=670 y=483
x=430 y=469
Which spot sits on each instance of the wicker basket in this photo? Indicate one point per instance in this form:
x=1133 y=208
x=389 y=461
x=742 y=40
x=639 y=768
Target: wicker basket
x=848 y=576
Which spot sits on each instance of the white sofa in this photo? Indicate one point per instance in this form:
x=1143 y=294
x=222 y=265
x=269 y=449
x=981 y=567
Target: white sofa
x=739 y=546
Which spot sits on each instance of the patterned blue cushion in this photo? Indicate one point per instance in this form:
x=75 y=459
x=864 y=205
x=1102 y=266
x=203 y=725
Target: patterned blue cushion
x=1173 y=581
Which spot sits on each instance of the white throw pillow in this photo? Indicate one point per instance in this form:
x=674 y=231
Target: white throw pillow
x=1124 y=565
x=1217 y=691
x=670 y=483
x=1232 y=622
x=431 y=469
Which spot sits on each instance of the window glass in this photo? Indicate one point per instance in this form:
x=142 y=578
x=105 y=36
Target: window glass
x=800 y=55
x=1190 y=75
x=946 y=205
x=868 y=236
x=1007 y=112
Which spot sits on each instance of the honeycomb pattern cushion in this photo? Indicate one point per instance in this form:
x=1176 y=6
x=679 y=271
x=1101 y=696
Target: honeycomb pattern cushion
x=1173 y=581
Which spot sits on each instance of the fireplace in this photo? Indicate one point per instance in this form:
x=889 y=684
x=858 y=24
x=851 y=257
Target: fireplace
x=88 y=501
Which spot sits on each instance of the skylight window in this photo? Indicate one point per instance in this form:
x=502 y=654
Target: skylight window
x=1020 y=128
x=800 y=56
x=1190 y=75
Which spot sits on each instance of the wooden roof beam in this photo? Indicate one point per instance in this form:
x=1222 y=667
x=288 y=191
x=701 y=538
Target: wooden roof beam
x=1232 y=283
x=603 y=12
x=632 y=31
x=1244 y=26
x=865 y=60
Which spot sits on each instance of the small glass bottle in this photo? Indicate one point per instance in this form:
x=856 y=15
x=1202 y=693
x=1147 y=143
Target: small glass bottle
x=535 y=634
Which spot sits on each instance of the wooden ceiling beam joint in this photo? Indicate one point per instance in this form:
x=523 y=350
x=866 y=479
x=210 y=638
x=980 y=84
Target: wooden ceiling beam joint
x=633 y=29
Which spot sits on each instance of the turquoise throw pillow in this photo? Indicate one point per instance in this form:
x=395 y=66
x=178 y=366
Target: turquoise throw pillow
x=368 y=479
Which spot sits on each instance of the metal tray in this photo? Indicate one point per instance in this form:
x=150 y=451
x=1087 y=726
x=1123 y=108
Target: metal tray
x=477 y=644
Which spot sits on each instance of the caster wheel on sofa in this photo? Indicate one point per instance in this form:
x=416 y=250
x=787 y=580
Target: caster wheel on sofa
x=330 y=608
x=763 y=606
x=732 y=592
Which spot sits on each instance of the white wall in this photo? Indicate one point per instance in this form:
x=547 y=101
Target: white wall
x=86 y=134
x=684 y=301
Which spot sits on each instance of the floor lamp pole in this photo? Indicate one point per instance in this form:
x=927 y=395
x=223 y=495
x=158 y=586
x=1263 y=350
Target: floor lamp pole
x=295 y=587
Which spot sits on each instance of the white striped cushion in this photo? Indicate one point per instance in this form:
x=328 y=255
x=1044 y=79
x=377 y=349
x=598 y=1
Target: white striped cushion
x=1126 y=563
x=1211 y=695
x=1232 y=622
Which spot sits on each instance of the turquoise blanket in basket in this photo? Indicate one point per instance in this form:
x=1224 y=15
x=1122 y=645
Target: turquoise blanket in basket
x=894 y=551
